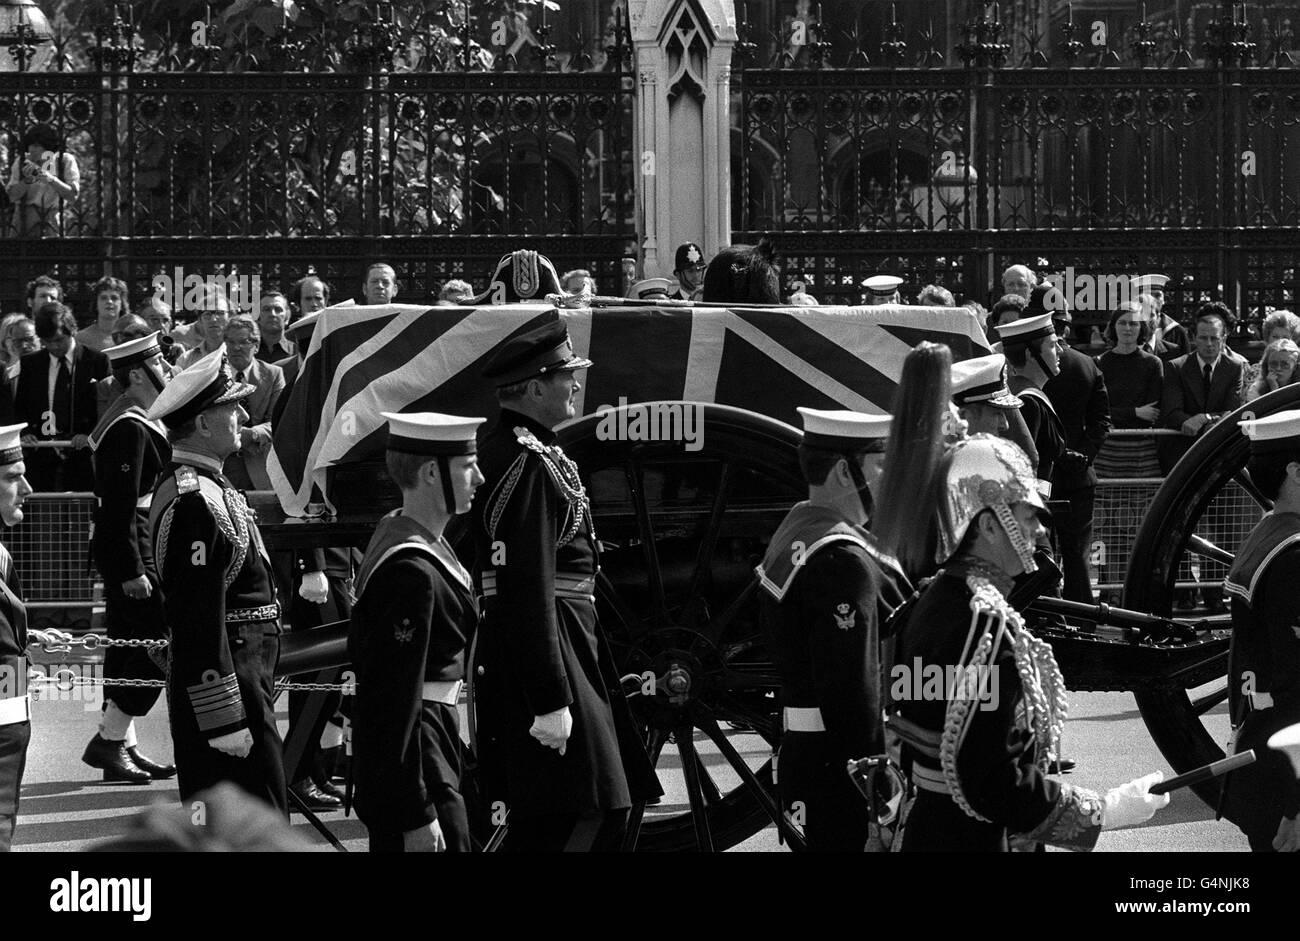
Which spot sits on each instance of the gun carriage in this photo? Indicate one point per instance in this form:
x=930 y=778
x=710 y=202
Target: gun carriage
x=682 y=529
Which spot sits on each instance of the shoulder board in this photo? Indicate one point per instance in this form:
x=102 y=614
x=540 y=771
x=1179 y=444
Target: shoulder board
x=529 y=440
x=187 y=479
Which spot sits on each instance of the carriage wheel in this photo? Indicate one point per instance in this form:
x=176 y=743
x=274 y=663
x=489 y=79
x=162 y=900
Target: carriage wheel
x=1193 y=528
x=681 y=531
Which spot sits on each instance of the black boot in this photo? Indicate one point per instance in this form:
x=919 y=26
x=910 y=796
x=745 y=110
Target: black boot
x=115 y=761
x=149 y=766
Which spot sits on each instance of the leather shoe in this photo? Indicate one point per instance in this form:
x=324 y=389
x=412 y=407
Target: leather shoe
x=328 y=787
x=1062 y=766
x=314 y=797
x=149 y=766
x=115 y=761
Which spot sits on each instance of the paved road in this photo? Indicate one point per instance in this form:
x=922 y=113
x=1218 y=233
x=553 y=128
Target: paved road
x=66 y=808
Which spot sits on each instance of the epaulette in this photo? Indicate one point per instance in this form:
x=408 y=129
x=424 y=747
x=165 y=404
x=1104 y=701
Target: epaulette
x=187 y=479
x=528 y=439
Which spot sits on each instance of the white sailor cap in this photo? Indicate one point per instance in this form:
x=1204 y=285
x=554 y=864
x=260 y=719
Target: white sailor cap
x=1027 y=330
x=202 y=385
x=840 y=429
x=882 y=285
x=133 y=352
x=1277 y=432
x=981 y=381
x=11 y=449
x=651 y=287
x=432 y=433
x=1146 y=282
x=305 y=322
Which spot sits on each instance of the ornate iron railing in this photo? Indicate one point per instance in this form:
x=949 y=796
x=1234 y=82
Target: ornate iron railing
x=439 y=149
x=1009 y=134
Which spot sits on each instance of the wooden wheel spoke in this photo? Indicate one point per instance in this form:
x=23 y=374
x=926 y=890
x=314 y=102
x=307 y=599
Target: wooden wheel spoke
x=1243 y=480
x=694 y=788
x=718 y=626
x=1199 y=545
x=654 y=747
x=1203 y=704
x=709 y=542
x=635 y=473
x=710 y=728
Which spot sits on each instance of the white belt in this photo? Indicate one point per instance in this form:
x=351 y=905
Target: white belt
x=16 y=709
x=1260 y=701
x=144 y=502
x=803 y=719
x=443 y=691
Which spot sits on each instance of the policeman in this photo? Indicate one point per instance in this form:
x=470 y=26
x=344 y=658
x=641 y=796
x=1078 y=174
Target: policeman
x=15 y=703
x=559 y=751
x=1264 y=665
x=827 y=589
x=410 y=626
x=689 y=267
x=129 y=452
x=218 y=593
x=978 y=702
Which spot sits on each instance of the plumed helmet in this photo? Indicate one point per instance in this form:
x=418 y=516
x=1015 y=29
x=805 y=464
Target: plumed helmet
x=985 y=472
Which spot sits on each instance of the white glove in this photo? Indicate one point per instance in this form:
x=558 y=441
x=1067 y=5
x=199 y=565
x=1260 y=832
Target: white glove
x=425 y=839
x=1132 y=803
x=314 y=588
x=236 y=744
x=553 y=729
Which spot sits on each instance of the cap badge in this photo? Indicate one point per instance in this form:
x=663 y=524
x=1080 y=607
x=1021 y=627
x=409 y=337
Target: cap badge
x=693 y=255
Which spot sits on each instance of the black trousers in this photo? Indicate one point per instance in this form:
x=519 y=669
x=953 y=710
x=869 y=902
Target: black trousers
x=1074 y=536
x=132 y=619
x=815 y=788
x=595 y=832
x=255 y=648
x=1256 y=794
x=304 y=615
x=440 y=772
x=13 y=761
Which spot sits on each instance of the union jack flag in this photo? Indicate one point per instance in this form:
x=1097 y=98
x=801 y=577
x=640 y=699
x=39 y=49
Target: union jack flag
x=366 y=360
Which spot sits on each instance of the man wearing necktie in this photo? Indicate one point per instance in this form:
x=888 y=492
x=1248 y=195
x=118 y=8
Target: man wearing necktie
x=247 y=467
x=1201 y=387
x=56 y=399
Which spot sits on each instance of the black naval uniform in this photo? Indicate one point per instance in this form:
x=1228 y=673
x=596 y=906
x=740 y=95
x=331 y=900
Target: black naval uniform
x=130 y=451
x=16 y=730
x=410 y=627
x=997 y=763
x=225 y=630
x=828 y=589
x=1264 y=675
x=1045 y=428
x=540 y=648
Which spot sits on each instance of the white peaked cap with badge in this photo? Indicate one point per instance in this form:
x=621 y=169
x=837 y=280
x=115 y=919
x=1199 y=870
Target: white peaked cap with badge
x=982 y=381
x=432 y=433
x=203 y=384
x=1145 y=282
x=133 y=352
x=839 y=429
x=882 y=285
x=1027 y=330
x=1277 y=432
x=11 y=449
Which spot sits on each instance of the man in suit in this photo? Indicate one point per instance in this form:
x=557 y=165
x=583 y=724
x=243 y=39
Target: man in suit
x=56 y=398
x=1200 y=387
x=246 y=468
x=1078 y=393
